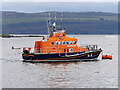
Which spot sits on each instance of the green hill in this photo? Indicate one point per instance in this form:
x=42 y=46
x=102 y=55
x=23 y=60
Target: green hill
x=74 y=22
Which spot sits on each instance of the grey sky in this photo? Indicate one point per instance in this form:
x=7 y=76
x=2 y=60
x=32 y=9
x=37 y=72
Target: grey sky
x=60 y=6
x=60 y=0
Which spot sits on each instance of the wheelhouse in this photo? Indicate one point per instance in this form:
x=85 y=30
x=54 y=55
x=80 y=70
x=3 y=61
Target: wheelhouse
x=57 y=42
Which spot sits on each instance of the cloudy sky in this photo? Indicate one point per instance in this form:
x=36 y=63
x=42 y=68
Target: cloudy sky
x=60 y=5
x=60 y=0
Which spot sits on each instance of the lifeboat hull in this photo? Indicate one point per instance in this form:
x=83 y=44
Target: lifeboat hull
x=44 y=57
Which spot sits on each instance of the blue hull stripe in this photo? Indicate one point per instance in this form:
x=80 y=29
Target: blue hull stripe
x=52 y=57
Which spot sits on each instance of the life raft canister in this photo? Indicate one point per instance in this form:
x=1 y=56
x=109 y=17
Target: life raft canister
x=106 y=56
x=28 y=49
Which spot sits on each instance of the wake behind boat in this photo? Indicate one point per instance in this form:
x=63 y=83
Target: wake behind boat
x=57 y=47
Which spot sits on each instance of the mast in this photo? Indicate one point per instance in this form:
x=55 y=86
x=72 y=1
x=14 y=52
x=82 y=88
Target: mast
x=61 y=19
x=49 y=24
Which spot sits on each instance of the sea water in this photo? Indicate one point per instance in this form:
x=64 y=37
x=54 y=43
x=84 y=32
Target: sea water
x=89 y=74
x=0 y=63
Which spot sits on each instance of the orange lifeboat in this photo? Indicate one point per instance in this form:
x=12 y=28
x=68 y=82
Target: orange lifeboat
x=56 y=46
x=106 y=56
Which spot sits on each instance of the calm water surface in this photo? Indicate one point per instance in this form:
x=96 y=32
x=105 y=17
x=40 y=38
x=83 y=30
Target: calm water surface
x=92 y=74
x=0 y=63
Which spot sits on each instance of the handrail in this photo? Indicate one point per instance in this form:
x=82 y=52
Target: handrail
x=58 y=50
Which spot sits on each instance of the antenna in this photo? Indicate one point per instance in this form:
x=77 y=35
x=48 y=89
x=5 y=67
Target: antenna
x=49 y=23
x=55 y=16
x=61 y=19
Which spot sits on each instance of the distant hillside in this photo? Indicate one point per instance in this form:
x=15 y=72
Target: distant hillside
x=74 y=22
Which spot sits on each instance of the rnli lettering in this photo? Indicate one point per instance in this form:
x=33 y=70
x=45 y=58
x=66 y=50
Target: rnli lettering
x=70 y=45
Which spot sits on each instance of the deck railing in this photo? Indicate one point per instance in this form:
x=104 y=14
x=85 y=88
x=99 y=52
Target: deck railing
x=58 y=50
x=90 y=47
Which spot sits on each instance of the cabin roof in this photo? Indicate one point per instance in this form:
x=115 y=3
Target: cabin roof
x=64 y=38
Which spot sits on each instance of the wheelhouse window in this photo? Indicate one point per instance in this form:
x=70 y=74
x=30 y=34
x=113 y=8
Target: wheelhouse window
x=52 y=43
x=67 y=42
x=56 y=43
x=70 y=42
x=63 y=42
x=60 y=43
x=74 y=42
x=63 y=34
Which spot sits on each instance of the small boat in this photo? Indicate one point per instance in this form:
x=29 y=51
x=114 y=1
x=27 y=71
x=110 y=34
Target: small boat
x=56 y=46
x=106 y=56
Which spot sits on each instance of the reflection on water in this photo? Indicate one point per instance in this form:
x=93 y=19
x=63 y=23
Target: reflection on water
x=84 y=74
x=61 y=73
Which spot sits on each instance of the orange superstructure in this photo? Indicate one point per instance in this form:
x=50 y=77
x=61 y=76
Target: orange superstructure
x=57 y=42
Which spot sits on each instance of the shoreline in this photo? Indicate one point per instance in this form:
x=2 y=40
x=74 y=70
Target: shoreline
x=41 y=35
